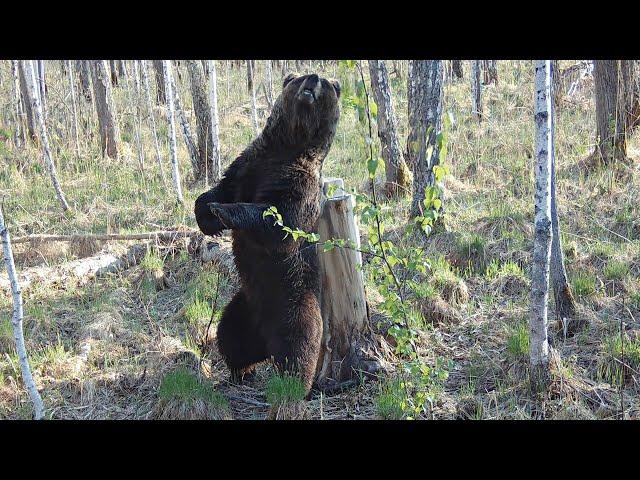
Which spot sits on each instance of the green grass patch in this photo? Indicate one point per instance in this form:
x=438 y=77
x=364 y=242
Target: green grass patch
x=615 y=270
x=583 y=283
x=152 y=261
x=518 y=342
x=390 y=402
x=185 y=386
x=619 y=359
x=284 y=389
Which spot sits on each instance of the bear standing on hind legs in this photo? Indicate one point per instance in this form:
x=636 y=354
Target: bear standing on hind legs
x=276 y=313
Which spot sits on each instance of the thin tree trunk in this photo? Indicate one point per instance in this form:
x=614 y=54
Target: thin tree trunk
x=252 y=93
x=396 y=171
x=73 y=107
x=16 y=321
x=161 y=97
x=166 y=64
x=109 y=132
x=34 y=101
x=613 y=81
x=42 y=87
x=147 y=88
x=186 y=130
x=558 y=84
x=82 y=66
x=476 y=90
x=268 y=86
x=564 y=300
x=490 y=69
x=19 y=137
x=425 y=98
x=28 y=106
x=114 y=73
x=539 y=343
x=456 y=66
x=216 y=167
x=202 y=110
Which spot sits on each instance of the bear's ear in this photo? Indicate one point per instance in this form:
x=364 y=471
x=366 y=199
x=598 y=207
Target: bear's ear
x=288 y=78
x=336 y=86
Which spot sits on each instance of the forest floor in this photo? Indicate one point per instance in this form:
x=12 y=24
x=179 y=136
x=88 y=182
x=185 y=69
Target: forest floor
x=138 y=345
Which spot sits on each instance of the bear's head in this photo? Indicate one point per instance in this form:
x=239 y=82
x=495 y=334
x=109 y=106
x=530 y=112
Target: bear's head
x=309 y=106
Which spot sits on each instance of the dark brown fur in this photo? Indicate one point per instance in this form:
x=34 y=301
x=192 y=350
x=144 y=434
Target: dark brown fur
x=276 y=312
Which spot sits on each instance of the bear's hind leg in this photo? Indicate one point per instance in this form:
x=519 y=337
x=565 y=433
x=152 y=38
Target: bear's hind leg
x=238 y=339
x=295 y=345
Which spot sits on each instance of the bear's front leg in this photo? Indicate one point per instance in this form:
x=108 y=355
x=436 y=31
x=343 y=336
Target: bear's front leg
x=241 y=216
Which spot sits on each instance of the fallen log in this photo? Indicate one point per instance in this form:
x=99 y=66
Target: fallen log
x=161 y=235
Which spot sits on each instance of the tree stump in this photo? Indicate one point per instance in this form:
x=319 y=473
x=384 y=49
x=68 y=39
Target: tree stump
x=348 y=342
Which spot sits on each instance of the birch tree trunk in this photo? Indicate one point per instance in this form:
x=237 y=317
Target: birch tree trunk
x=16 y=321
x=396 y=171
x=613 y=82
x=476 y=90
x=186 y=129
x=202 y=110
x=562 y=294
x=268 y=88
x=147 y=88
x=425 y=98
x=109 y=132
x=456 y=66
x=166 y=64
x=82 y=66
x=252 y=92
x=28 y=106
x=34 y=101
x=216 y=167
x=539 y=343
x=19 y=137
x=73 y=107
x=161 y=97
x=42 y=87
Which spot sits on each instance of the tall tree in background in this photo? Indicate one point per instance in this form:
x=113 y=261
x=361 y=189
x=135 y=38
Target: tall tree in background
x=425 y=102
x=456 y=66
x=28 y=106
x=161 y=97
x=19 y=137
x=33 y=99
x=113 y=72
x=16 y=321
x=151 y=116
x=490 y=70
x=42 y=86
x=166 y=66
x=202 y=110
x=268 y=83
x=558 y=83
x=396 y=171
x=186 y=129
x=476 y=90
x=614 y=85
x=539 y=343
x=74 y=111
x=109 y=132
x=252 y=93
x=216 y=168
x=84 y=74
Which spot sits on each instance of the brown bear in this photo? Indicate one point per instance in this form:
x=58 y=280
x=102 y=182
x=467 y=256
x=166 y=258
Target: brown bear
x=276 y=312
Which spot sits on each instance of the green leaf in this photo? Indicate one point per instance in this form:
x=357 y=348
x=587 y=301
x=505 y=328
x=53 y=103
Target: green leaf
x=372 y=166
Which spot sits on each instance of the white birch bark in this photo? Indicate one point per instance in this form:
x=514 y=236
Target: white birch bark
x=539 y=344
x=154 y=131
x=41 y=87
x=168 y=88
x=16 y=321
x=30 y=80
x=252 y=89
x=216 y=168
x=476 y=90
x=268 y=88
x=74 y=111
x=19 y=137
x=186 y=129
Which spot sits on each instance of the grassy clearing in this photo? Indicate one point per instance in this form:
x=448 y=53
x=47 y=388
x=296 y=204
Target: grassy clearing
x=107 y=349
